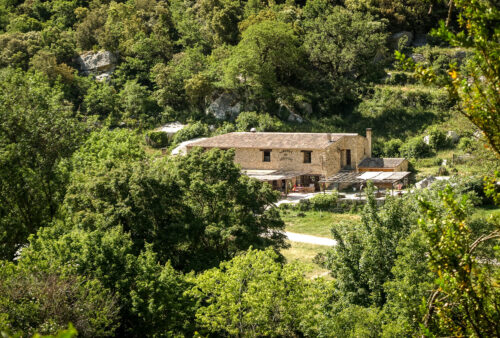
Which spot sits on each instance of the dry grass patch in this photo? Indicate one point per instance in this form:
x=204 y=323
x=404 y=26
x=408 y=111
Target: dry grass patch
x=304 y=254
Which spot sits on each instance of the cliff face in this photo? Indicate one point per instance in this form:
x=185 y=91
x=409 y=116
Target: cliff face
x=101 y=64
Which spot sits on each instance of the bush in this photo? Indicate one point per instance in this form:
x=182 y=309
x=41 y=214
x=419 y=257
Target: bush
x=416 y=148
x=392 y=148
x=191 y=131
x=324 y=202
x=157 y=139
x=438 y=140
x=261 y=122
x=466 y=144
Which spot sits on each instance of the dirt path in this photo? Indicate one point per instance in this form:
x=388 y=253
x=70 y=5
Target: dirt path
x=294 y=237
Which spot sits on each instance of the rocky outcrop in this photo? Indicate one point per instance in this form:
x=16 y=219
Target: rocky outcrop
x=225 y=106
x=452 y=136
x=286 y=111
x=417 y=57
x=101 y=64
x=397 y=38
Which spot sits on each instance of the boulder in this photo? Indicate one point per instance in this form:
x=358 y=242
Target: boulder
x=293 y=117
x=425 y=182
x=452 y=136
x=104 y=77
x=417 y=58
x=224 y=107
x=96 y=62
x=171 y=128
x=420 y=40
x=396 y=38
x=287 y=112
x=427 y=139
x=306 y=107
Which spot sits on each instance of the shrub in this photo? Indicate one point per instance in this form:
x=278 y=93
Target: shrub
x=157 y=139
x=324 y=202
x=261 y=122
x=438 y=140
x=416 y=148
x=392 y=148
x=191 y=131
x=466 y=144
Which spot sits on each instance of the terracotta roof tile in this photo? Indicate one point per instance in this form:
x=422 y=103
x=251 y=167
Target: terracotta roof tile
x=263 y=140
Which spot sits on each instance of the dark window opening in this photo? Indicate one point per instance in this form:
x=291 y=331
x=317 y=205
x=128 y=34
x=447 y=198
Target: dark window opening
x=348 y=157
x=307 y=156
x=267 y=156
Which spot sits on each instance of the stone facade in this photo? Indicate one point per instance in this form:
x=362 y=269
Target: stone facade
x=347 y=151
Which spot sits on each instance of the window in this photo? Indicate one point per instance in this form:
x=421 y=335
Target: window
x=267 y=156
x=348 y=157
x=307 y=156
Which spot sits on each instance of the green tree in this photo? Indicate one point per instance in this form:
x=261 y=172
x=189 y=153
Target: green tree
x=137 y=104
x=261 y=122
x=172 y=78
x=149 y=295
x=475 y=85
x=232 y=212
x=348 y=64
x=101 y=101
x=254 y=295
x=268 y=56
x=220 y=20
x=36 y=301
x=38 y=133
x=466 y=299
x=115 y=183
x=364 y=256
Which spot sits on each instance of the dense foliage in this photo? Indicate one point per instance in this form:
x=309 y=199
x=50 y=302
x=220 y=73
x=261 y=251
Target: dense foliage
x=102 y=234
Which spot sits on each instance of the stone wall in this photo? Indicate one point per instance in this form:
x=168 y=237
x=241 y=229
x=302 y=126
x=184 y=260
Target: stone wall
x=284 y=159
x=324 y=162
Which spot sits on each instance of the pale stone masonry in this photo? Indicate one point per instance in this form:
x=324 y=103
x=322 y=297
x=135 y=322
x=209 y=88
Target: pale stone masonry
x=290 y=159
x=328 y=153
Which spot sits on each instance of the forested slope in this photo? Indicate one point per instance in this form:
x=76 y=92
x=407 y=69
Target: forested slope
x=99 y=229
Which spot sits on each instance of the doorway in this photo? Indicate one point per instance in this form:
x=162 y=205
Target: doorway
x=348 y=157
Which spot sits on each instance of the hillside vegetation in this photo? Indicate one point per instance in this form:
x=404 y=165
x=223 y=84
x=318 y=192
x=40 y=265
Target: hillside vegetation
x=104 y=234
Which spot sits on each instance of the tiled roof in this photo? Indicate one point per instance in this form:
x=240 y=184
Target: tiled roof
x=264 y=140
x=372 y=162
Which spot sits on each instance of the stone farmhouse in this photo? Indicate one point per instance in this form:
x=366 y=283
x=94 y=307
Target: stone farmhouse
x=301 y=161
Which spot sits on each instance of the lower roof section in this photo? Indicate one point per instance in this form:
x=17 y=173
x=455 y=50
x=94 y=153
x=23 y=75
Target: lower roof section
x=272 y=175
x=374 y=176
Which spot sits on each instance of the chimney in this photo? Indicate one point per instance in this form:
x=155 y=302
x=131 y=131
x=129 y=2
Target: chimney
x=369 y=138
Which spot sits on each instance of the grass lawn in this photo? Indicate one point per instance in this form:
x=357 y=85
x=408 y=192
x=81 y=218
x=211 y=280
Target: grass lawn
x=316 y=223
x=486 y=212
x=304 y=254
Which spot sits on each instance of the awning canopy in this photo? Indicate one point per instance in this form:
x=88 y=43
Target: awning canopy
x=272 y=175
x=374 y=176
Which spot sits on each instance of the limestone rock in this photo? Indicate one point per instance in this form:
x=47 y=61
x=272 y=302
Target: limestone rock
x=226 y=106
x=96 y=63
x=293 y=117
x=452 y=136
x=417 y=58
x=306 y=107
x=395 y=39
x=427 y=139
x=104 y=77
x=289 y=112
x=171 y=128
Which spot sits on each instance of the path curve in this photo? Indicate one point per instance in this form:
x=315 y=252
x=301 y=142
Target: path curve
x=294 y=237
